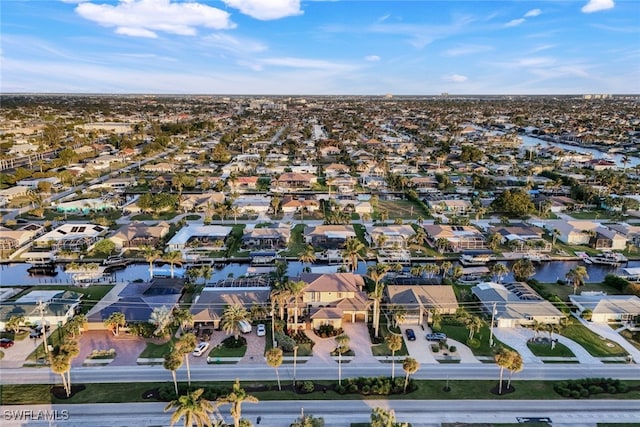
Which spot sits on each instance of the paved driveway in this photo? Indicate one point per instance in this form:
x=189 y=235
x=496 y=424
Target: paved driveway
x=14 y=357
x=127 y=347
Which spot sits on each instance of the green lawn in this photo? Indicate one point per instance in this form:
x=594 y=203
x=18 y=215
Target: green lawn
x=405 y=209
x=427 y=390
x=360 y=232
x=563 y=291
x=633 y=338
x=163 y=216
x=461 y=334
x=157 y=351
x=592 y=342
x=560 y=350
x=222 y=351
x=591 y=215
x=296 y=242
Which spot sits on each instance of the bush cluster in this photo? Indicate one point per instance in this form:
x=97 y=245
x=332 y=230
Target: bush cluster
x=327 y=331
x=142 y=329
x=300 y=337
x=381 y=386
x=374 y=339
x=589 y=386
x=232 y=342
x=166 y=392
x=305 y=386
x=285 y=342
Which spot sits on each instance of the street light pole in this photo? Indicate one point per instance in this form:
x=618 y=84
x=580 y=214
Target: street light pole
x=295 y=358
x=493 y=313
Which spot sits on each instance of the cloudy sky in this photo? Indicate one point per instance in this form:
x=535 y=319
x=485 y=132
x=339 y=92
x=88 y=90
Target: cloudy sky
x=320 y=47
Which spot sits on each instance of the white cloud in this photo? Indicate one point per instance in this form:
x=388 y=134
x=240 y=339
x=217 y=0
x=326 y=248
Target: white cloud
x=319 y=64
x=233 y=44
x=266 y=9
x=372 y=58
x=467 y=50
x=514 y=22
x=532 y=13
x=455 y=78
x=597 y=6
x=145 y=18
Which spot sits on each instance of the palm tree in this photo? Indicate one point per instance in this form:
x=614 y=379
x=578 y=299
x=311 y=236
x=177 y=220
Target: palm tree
x=474 y=323
x=296 y=291
x=445 y=267
x=537 y=327
x=161 y=317
x=193 y=407
x=436 y=318
x=274 y=359
x=206 y=272
x=503 y=358
x=499 y=271
x=394 y=342
x=515 y=366
x=231 y=318
x=381 y=417
x=431 y=269
x=410 y=366
x=494 y=241
x=115 y=321
x=183 y=318
x=172 y=362
x=61 y=364
x=351 y=252
x=75 y=324
x=279 y=296
x=234 y=211
x=307 y=256
x=554 y=235
x=236 y=398
x=342 y=346
x=441 y=244
x=173 y=257
x=150 y=255
x=377 y=273
x=577 y=277
x=523 y=269
x=185 y=345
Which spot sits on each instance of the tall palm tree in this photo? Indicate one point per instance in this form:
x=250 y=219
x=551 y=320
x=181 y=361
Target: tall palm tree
x=499 y=271
x=236 y=398
x=307 y=256
x=193 y=407
x=474 y=323
x=515 y=366
x=394 y=342
x=183 y=318
x=185 y=345
x=172 y=362
x=231 y=318
x=60 y=364
x=206 y=272
x=274 y=359
x=410 y=366
x=523 y=269
x=577 y=277
x=161 y=317
x=173 y=257
x=377 y=273
x=296 y=291
x=503 y=358
x=342 y=346
x=150 y=254
x=279 y=296
x=445 y=267
x=351 y=252
x=431 y=269
x=234 y=211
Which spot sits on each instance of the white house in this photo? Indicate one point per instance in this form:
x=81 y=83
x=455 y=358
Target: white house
x=608 y=308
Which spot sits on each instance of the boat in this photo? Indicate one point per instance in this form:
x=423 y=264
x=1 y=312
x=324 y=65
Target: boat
x=608 y=258
x=475 y=259
x=43 y=269
x=474 y=275
x=584 y=257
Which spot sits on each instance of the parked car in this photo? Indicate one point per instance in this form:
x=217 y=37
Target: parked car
x=437 y=336
x=245 y=327
x=261 y=330
x=6 y=342
x=201 y=348
x=36 y=333
x=411 y=335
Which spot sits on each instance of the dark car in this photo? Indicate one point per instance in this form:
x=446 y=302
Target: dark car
x=36 y=333
x=5 y=342
x=438 y=336
x=411 y=335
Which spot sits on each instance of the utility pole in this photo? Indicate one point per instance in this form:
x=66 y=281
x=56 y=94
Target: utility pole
x=493 y=313
x=295 y=357
x=42 y=307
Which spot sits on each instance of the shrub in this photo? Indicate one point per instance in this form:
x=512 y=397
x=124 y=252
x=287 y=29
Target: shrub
x=308 y=387
x=341 y=389
x=435 y=348
x=575 y=394
x=473 y=343
x=452 y=349
x=232 y=342
x=285 y=342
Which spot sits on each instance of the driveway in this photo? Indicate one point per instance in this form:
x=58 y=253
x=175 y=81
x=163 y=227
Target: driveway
x=15 y=356
x=420 y=348
x=127 y=347
x=359 y=342
x=608 y=333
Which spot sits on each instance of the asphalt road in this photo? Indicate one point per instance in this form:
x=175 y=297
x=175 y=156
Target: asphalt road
x=111 y=374
x=342 y=413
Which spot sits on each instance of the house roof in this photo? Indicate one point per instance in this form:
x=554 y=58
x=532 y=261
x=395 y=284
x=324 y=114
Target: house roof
x=608 y=304
x=211 y=302
x=427 y=296
x=333 y=282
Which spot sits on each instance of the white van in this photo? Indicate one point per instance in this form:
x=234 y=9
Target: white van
x=245 y=327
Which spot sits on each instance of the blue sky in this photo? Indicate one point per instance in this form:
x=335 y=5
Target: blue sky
x=362 y=47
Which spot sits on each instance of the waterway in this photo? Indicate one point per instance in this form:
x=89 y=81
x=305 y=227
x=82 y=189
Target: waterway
x=528 y=141
x=17 y=275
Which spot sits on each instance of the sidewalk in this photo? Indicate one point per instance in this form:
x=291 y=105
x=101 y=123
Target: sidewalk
x=608 y=333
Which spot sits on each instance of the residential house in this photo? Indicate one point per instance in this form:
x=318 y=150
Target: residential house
x=335 y=169
x=330 y=299
x=8 y=194
x=294 y=181
x=75 y=237
x=208 y=307
x=290 y=205
x=256 y=204
x=608 y=308
x=390 y=236
x=196 y=236
x=136 y=300
x=458 y=237
x=524 y=236
x=204 y=202
x=273 y=237
x=85 y=206
x=242 y=184
x=162 y=167
x=328 y=236
x=584 y=232
x=11 y=240
x=452 y=206
x=59 y=307
x=420 y=301
x=515 y=304
x=138 y=234
x=424 y=184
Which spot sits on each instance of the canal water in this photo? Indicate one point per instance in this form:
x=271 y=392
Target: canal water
x=17 y=274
